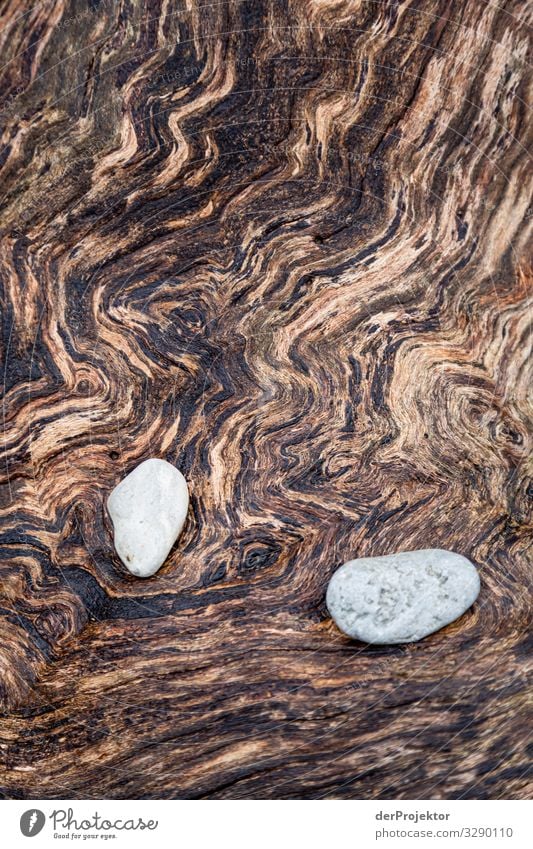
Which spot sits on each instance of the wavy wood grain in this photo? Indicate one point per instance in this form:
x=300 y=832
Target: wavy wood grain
x=283 y=245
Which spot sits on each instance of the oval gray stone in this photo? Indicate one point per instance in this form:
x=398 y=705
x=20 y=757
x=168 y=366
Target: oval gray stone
x=148 y=510
x=403 y=597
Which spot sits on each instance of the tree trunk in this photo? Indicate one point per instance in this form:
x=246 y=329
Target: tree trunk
x=283 y=246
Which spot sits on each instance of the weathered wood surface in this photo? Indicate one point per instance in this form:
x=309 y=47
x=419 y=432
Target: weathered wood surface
x=283 y=245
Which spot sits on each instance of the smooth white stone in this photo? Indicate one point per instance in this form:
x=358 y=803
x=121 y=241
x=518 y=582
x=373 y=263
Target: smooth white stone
x=148 y=510
x=401 y=598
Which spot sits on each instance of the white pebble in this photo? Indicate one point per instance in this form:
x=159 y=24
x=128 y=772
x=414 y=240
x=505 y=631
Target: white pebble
x=401 y=598
x=148 y=510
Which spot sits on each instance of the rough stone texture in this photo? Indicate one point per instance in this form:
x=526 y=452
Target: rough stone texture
x=401 y=597
x=148 y=510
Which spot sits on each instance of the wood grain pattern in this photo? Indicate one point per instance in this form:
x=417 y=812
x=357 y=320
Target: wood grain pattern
x=284 y=246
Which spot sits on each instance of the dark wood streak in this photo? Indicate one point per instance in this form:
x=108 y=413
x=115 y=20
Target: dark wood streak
x=285 y=247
